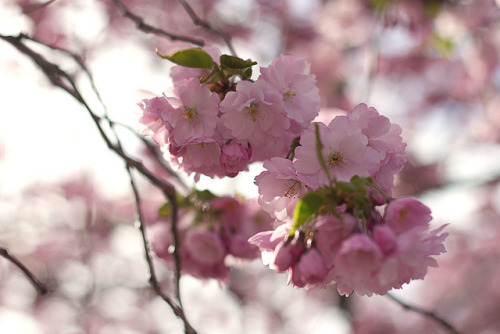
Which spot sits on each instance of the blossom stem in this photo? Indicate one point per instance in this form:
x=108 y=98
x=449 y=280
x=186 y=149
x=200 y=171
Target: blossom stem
x=319 y=150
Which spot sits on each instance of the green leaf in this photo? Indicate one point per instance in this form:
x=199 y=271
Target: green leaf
x=307 y=208
x=165 y=211
x=235 y=62
x=236 y=66
x=205 y=195
x=194 y=58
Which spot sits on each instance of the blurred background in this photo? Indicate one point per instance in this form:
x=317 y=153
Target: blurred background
x=67 y=209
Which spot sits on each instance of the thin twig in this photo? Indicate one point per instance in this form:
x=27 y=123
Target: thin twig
x=64 y=81
x=141 y=25
x=199 y=22
x=177 y=308
x=41 y=288
x=427 y=313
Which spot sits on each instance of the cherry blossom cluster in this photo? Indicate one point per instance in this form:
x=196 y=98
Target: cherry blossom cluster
x=216 y=126
x=211 y=232
x=330 y=198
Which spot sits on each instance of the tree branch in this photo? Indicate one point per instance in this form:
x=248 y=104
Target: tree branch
x=177 y=308
x=64 y=81
x=199 y=22
x=427 y=313
x=42 y=288
x=149 y=29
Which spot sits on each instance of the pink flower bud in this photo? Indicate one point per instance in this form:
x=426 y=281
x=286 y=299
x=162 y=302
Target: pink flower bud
x=403 y=214
x=205 y=246
x=234 y=158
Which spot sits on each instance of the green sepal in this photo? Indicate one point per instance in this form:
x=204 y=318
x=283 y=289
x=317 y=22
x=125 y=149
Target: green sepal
x=237 y=66
x=194 y=58
x=307 y=208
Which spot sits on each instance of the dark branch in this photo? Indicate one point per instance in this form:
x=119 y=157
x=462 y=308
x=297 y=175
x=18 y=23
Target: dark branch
x=42 y=288
x=177 y=308
x=427 y=313
x=199 y=22
x=141 y=25
x=64 y=81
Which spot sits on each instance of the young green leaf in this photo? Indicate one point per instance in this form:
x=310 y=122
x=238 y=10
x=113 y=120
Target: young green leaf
x=194 y=58
x=235 y=62
x=237 y=66
x=307 y=208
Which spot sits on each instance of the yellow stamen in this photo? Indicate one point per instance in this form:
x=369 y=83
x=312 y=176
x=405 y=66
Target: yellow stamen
x=335 y=159
x=289 y=95
x=190 y=113
x=291 y=189
x=253 y=111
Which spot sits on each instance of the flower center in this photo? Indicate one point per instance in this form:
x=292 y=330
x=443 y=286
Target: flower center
x=190 y=113
x=289 y=95
x=253 y=111
x=335 y=159
x=292 y=189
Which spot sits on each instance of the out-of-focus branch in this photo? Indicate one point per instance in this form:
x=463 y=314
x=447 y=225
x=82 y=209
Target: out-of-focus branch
x=199 y=22
x=111 y=123
x=38 y=6
x=427 y=313
x=64 y=81
x=177 y=308
x=42 y=288
x=141 y=25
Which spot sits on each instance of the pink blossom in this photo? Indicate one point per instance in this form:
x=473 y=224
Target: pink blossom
x=389 y=166
x=292 y=78
x=279 y=188
x=409 y=258
x=153 y=119
x=204 y=246
x=253 y=113
x=345 y=151
x=235 y=158
x=309 y=271
x=403 y=214
x=267 y=242
x=358 y=259
x=330 y=232
x=238 y=246
x=193 y=114
x=285 y=255
x=383 y=136
x=201 y=157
